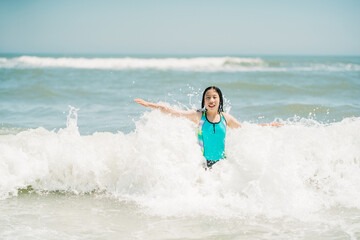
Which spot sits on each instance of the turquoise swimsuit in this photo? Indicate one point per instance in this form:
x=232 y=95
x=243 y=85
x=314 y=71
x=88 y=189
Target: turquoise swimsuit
x=212 y=138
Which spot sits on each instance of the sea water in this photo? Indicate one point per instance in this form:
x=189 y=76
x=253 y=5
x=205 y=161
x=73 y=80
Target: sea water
x=80 y=160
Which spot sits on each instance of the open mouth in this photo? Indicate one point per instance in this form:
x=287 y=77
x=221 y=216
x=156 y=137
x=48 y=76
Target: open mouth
x=211 y=106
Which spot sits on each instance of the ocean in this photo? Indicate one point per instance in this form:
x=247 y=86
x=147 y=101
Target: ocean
x=79 y=159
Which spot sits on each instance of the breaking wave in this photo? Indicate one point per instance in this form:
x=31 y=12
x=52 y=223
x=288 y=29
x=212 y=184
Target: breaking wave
x=211 y=64
x=294 y=170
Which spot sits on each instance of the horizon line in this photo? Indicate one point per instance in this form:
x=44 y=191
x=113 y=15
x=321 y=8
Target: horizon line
x=181 y=54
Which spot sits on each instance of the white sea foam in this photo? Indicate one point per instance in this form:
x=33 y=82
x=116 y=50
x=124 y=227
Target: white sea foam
x=192 y=64
x=336 y=67
x=294 y=170
x=207 y=64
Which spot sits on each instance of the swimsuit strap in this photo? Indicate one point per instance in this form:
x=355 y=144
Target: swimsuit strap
x=223 y=118
x=200 y=136
x=225 y=123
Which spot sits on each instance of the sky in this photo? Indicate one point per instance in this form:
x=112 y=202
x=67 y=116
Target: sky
x=237 y=27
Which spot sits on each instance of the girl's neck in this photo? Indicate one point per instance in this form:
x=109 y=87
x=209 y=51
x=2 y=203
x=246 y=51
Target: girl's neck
x=212 y=116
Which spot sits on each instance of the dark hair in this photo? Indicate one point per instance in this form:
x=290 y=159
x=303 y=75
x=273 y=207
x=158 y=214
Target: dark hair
x=221 y=109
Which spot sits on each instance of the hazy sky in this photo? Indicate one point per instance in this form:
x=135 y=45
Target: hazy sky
x=303 y=27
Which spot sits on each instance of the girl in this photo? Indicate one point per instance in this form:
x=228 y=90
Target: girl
x=212 y=121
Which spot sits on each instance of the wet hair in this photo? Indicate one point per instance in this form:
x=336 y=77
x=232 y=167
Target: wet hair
x=221 y=109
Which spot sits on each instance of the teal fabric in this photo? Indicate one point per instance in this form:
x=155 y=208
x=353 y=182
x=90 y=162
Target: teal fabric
x=213 y=138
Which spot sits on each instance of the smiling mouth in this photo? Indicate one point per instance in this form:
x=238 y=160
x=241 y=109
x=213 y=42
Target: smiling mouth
x=211 y=106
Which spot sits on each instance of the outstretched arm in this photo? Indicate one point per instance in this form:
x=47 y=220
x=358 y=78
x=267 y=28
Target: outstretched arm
x=191 y=115
x=233 y=123
x=273 y=124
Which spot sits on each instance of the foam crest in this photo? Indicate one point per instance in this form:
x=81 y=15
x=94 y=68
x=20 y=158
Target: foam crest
x=191 y=64
x=294 y=170
x=206 y=64
x=335 y=67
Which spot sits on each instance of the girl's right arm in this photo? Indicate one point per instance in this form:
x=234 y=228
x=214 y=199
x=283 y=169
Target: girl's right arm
x=191 y=114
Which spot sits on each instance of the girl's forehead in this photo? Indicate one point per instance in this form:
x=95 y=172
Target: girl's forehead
x=211 y=92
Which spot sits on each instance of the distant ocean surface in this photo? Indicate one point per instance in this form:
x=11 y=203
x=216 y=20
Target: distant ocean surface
x=80 y=160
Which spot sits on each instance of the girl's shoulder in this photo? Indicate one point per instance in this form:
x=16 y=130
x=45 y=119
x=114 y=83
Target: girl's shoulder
x=226 y=116
x=231 y=121
x=193 y=115
x=198 y=115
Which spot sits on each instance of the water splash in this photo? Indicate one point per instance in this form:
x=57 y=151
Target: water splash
x=295 y=170
x=72 y=118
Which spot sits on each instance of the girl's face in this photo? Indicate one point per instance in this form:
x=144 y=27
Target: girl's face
x=212 y=100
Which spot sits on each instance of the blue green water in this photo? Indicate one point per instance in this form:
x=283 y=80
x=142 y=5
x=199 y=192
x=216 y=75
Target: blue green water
x=80 y=160
x=36 y=91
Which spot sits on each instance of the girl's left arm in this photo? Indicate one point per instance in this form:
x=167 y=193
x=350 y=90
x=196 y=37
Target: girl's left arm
x=233 y=123
x=273 y=124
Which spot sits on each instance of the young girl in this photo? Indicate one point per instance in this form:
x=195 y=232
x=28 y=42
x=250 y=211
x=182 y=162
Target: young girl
x=212 y=121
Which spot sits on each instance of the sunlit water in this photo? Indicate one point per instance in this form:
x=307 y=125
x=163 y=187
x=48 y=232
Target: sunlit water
x=80 y=160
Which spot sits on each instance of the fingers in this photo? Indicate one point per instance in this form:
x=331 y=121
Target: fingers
x=141 y=102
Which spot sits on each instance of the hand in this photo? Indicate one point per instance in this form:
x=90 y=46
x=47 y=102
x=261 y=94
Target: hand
x=275 y=124
x=142 y=102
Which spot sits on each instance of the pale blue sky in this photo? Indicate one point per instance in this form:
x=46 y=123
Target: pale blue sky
x=244 y=27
